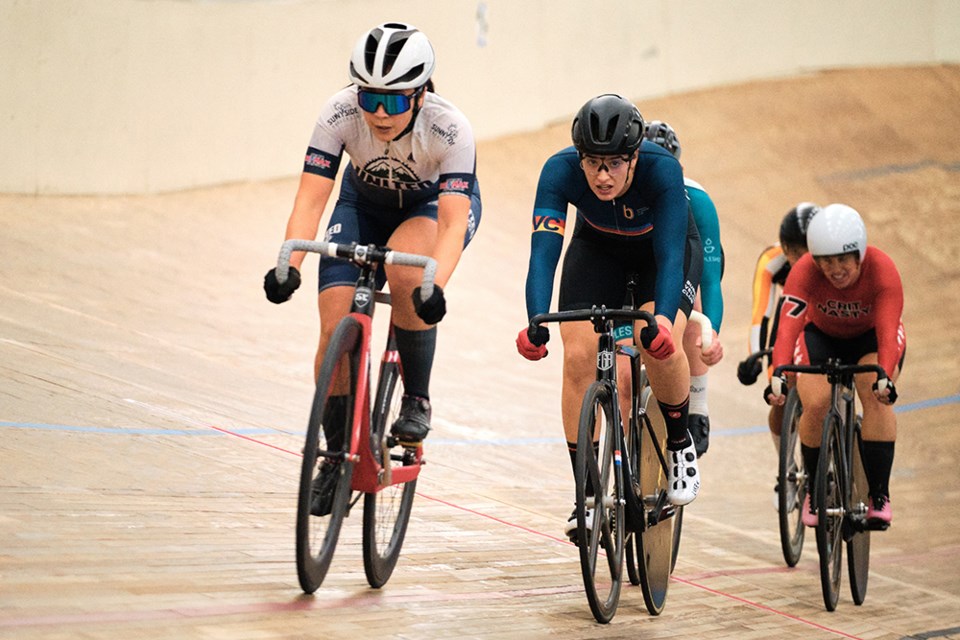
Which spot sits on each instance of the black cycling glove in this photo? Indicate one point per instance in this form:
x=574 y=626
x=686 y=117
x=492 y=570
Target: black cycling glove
x=433 y=308
x=748 y=375
x=276 y=292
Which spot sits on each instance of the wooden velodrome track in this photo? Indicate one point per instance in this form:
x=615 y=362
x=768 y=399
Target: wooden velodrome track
x=152 y=404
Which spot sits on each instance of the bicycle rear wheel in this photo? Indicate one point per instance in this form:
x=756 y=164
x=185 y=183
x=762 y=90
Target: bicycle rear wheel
x=386 y=513
x=600 y=517
x=858 y=537
x=791 y=482
x=829 y=494
x=656 y=543
x=677 y=529
x=317 y=535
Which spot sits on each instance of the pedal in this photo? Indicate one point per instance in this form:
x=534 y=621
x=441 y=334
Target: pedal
x=877 y=525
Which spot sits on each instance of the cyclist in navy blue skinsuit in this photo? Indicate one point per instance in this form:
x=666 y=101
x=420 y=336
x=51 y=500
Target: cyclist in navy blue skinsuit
x=632 y=217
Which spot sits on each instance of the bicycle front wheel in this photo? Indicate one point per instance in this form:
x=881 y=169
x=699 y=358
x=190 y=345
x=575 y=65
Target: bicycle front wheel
x=386 y=513
x=600 y=526
x=791 y=482
x=858 y=542
x=829 y=495
x=657 y=542
x=317 y=534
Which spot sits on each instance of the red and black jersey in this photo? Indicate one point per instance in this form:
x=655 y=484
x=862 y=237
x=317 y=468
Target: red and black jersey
x=874 y=301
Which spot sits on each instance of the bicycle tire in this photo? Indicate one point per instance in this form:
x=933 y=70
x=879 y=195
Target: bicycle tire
x=634 y=504
x=317 y=535
x=829 y=494
x=655 y=544
x=858 y=544
x=386 y=513
x=630 y=559
x=791 y=482
x=677 y=530
x=600 y=518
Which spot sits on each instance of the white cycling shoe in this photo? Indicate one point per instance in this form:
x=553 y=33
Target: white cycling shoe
x=571 y=530
x=683 y=474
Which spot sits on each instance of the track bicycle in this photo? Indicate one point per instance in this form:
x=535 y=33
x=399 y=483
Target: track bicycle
x=369 y=462
x=840 y=489
x=791 y=474
x=621 y=473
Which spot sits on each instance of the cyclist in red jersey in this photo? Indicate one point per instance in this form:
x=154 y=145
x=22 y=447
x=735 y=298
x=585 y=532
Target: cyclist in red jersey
x=844 y=300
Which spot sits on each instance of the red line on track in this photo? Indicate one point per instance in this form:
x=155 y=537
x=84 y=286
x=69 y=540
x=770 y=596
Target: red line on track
x=308 y=603
x=764 y=607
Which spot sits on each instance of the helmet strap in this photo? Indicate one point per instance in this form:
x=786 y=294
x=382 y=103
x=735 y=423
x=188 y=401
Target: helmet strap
x=413 y=116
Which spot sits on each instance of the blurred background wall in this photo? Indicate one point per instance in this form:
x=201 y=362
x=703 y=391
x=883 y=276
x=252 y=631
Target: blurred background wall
x=144 y=96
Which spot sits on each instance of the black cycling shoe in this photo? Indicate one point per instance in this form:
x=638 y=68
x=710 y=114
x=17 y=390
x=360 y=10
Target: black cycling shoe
x=323 y=488
x=700 y=432
x=414 y=422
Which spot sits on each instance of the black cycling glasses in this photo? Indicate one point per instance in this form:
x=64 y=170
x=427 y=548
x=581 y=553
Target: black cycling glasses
x=393 y=103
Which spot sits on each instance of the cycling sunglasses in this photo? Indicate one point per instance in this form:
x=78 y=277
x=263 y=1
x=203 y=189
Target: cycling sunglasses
x=393 y=103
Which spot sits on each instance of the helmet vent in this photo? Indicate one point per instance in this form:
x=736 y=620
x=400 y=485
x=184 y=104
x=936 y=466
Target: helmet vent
x=394 y=47
x=409 y=75
x=600 y=133
x=370 y=50
x=355 y=72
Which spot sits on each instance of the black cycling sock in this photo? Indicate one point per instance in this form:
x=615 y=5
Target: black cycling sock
x=572 y=450
x=811 y=455
x=416 y=349
x=676 y=417
x=335 y=422
x=878 y=462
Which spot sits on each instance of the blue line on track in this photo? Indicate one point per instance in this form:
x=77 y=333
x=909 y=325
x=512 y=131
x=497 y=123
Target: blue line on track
x=141 y=431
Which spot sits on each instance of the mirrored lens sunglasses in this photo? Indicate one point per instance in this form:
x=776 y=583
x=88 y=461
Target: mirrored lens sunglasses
x=393 y=103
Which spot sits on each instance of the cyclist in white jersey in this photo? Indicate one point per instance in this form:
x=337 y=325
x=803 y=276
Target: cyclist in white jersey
x=410 y=184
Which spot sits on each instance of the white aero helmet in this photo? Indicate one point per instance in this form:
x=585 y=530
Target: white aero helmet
x=392 y=56
x=837 y=229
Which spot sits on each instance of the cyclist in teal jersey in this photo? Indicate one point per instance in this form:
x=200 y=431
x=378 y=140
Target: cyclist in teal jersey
x=709 y=297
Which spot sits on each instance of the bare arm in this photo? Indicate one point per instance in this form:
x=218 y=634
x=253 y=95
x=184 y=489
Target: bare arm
x=453 y=213
x=308 y=206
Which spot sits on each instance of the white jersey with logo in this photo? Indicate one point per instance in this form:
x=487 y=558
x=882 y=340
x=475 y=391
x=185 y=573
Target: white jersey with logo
x=437 y=156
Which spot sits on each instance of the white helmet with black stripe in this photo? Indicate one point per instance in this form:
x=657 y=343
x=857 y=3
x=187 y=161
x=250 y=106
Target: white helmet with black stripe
x=392 y=56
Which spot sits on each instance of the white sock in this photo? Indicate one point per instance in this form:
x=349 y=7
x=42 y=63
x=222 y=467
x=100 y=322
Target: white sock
x=776 y=442
x=698 y=395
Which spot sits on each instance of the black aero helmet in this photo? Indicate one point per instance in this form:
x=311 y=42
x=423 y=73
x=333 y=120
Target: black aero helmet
x=608 y=125
x=793 y=227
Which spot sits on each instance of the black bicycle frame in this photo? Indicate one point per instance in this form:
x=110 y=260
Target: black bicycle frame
x=842 y=406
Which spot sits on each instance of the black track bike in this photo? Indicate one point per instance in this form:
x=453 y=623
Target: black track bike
x=840 y=490
x=621 y=474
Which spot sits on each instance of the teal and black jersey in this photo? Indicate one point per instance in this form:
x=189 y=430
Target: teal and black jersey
x=708 y=223
x=652 y=213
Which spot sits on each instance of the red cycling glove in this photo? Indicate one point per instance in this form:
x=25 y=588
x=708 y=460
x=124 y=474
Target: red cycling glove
x=530 y=349
x=657 y=341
